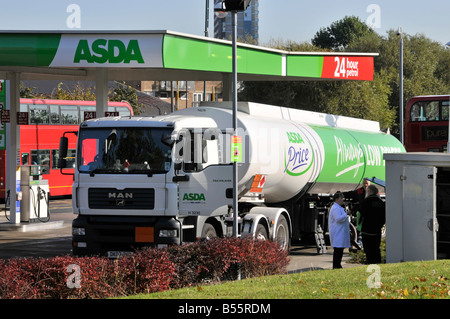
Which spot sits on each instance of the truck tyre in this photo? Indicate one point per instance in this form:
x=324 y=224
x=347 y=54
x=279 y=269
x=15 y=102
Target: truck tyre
x=282 y=234
x=261 y=232
x=208 y=231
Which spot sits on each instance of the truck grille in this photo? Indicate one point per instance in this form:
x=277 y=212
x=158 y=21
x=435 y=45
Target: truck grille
x=129 y=198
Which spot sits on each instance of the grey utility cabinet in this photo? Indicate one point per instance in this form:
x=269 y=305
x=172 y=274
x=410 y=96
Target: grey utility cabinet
x=417 y=206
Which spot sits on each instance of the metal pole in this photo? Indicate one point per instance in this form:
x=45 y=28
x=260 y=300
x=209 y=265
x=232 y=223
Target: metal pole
x=401 y=87
x=206 y=35
x=448 y=141
x=234 y=89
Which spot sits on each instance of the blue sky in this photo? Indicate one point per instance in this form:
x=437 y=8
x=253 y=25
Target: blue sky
x=295 y=20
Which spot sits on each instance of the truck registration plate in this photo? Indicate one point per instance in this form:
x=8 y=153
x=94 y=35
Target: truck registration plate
x=117 y=254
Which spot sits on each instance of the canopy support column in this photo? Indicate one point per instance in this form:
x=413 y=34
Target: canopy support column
x=101 y=91
x=13 y=146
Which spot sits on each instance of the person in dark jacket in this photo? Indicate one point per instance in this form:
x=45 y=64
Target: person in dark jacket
x=373 y=213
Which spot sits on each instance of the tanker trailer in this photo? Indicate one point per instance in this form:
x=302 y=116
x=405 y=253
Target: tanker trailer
x=177 y=184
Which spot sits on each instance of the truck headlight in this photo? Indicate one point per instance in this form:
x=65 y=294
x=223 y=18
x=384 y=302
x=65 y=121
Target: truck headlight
x=168 y=233
x=78 y=231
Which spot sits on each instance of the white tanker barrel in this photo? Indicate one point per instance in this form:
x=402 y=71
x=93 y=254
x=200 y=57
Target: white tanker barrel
x=292 y=155
x=325 y=155
x=289 y=155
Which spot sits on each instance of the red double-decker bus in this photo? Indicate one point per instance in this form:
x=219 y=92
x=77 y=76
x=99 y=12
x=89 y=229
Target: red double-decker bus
x=39 y=140
x=426 y=123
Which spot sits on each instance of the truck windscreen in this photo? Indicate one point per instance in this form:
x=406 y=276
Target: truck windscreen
x=124 y=150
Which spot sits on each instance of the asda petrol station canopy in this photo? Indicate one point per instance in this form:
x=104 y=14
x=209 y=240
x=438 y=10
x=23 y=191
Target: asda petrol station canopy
x=166 y=55
x=152 y=55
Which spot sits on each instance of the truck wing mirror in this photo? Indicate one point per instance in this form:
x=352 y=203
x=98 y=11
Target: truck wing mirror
x=166 y=139
x=63 y=147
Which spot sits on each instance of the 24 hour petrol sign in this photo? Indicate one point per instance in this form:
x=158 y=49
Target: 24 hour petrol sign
x=347 y=68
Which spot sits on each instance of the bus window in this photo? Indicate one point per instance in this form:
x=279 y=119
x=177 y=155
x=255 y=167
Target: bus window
x=25 y=158
x=70 y=114
x=39 y=114
x=54 y=114
x=445 y=106
x=417 y=112
x=41 y=157
x=70 y=159
x=123 y=111
x=432 y=111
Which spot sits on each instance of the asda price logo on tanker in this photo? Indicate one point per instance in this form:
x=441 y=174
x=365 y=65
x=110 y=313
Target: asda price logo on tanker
x=108 y=51
x=299 y=157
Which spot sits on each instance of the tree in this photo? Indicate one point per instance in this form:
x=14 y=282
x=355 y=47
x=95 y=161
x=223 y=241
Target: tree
x=426 y=65
x=124 y=92
x=426 y=72
x=79 y=93
x=341 y=33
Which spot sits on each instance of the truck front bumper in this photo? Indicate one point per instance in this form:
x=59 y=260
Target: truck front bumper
x=112 y=235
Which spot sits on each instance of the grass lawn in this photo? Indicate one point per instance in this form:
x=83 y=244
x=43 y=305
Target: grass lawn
x=409 y=280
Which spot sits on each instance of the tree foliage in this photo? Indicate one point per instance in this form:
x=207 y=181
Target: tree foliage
x=426 y=70
x=78 y=93
x=341 y=33
x=124 y=92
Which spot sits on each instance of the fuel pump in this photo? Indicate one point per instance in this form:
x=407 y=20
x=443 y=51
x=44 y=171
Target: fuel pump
x=34 y=206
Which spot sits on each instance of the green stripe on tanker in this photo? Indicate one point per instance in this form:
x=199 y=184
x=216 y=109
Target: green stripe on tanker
x=351 y=155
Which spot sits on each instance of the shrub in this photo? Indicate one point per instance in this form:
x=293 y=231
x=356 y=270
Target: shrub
x=220 y=258
x=147 y=270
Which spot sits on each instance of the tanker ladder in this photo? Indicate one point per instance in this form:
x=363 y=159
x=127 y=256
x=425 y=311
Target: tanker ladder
x=320 y=240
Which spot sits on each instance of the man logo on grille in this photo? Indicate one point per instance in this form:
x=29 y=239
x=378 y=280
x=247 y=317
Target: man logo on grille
x=120 y=195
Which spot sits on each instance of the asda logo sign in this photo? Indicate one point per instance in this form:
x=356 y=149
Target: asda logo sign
x=194 y=197
x=116 y=50
x=108 y=51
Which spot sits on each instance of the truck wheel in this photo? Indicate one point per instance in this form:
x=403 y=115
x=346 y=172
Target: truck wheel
x=208 y=231
x=282 y=234
x=261 y=232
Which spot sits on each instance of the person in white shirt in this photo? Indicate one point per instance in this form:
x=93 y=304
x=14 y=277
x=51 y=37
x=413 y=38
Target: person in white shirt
x=339 y=229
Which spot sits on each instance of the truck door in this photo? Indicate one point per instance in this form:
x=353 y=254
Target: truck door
x=419 y=213
x=205 y=190
x=205 y=194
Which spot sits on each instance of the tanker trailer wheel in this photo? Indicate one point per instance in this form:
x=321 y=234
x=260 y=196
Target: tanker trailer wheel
x=282 y=234
x=261 y=232
x=208 y=231
x=354 y=237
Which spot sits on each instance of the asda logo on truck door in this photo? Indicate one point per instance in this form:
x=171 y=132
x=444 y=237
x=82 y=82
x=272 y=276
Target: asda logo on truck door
x=108 y=51
x=194 y=197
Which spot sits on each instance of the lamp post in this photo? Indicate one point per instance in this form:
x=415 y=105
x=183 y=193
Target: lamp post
x=448 y=139
x=206 y=35
x=400 y=33
x=234 y=6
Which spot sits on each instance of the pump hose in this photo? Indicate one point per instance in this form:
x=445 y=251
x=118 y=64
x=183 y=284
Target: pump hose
x=46 y=197
x=37 y=206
